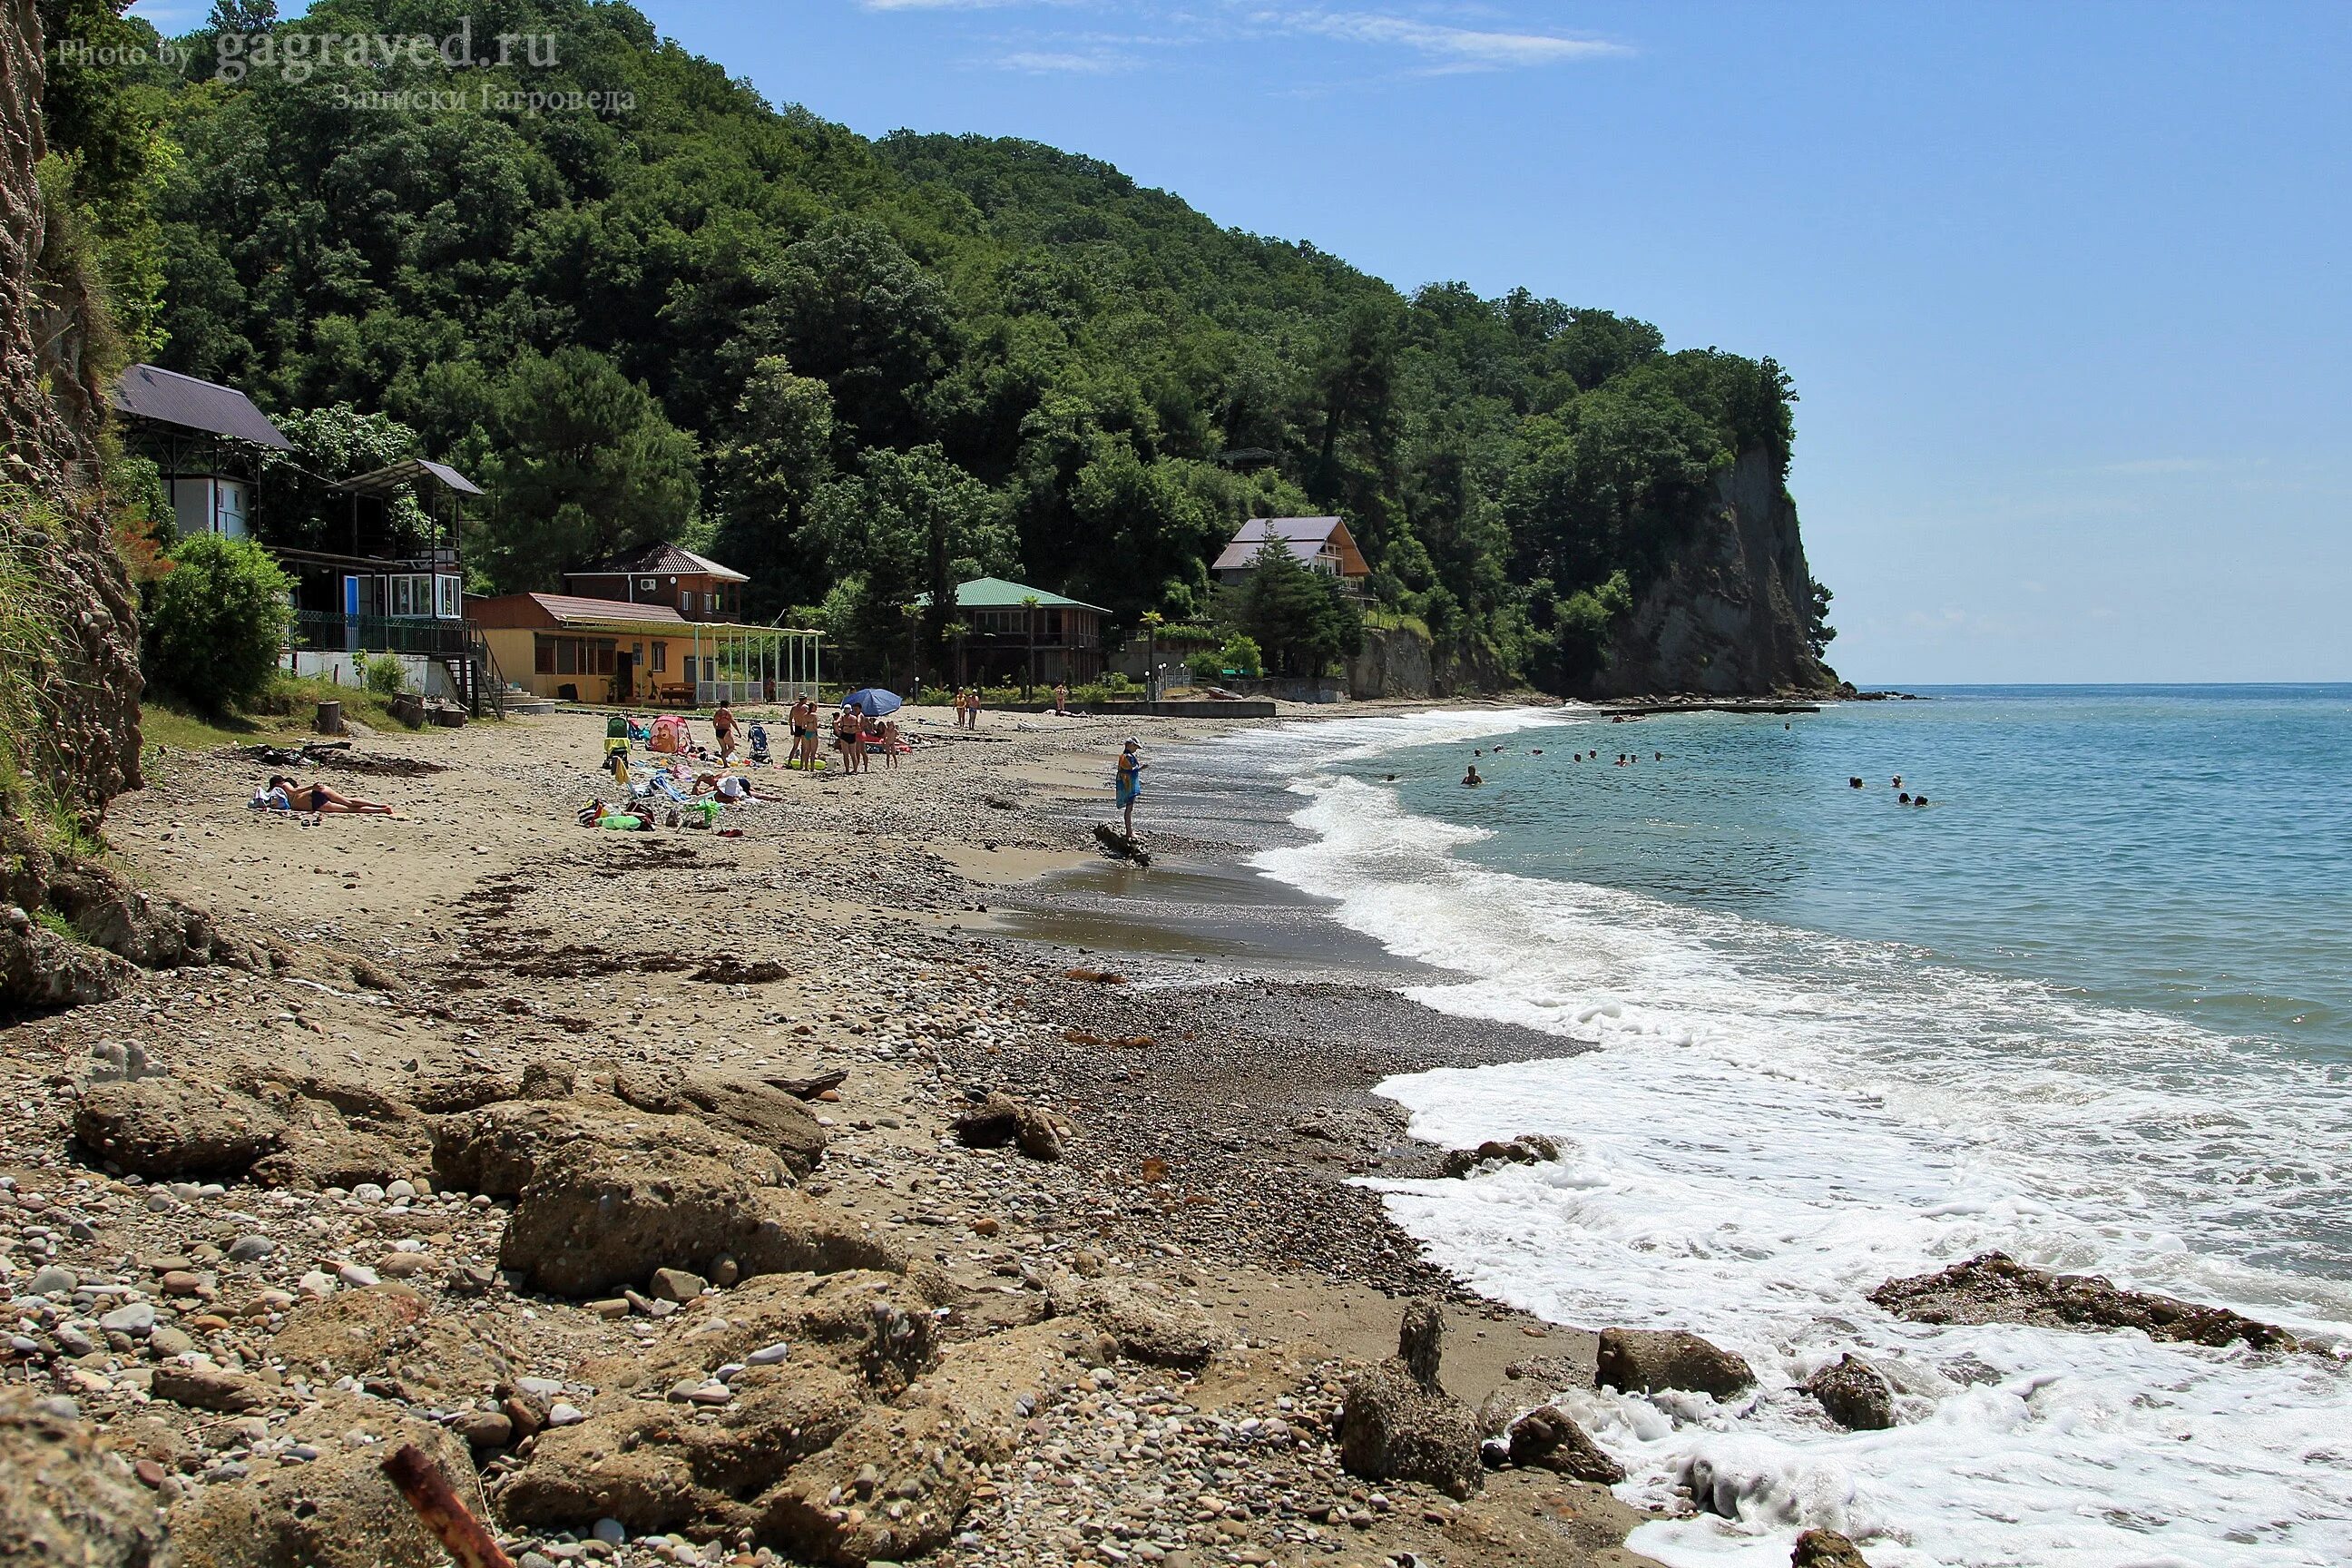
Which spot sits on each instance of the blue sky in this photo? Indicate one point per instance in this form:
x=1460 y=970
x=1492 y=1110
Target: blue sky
x=2063 y=288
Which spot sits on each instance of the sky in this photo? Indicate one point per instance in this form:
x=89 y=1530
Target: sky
x=2062 y=288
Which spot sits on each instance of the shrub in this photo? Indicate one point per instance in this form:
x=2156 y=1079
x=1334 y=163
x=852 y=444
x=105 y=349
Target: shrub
x=384 y=676
x=1116 y=681
x=217 y=622
x=1242 y=657
x=1206 y=666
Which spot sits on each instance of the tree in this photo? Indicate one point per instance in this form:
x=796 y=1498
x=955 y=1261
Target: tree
x=1298 y=617
x=907 y=525
x=765 y=475
x=216 y=623
x=1819 y=633
x=587 y=466
x=852 y=308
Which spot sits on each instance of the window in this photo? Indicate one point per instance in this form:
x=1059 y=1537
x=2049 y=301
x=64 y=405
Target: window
x=542 y=656
x=661 y=657
x=689 y=669
x=451 y=605
x=603 y=651
x=567 y=655
x=230 y=513
x=400 y=605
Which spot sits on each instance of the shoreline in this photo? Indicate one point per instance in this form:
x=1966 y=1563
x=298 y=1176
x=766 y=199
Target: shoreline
x=1210 y=1172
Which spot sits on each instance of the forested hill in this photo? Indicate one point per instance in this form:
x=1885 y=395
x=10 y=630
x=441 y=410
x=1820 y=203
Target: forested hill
x=854 y=367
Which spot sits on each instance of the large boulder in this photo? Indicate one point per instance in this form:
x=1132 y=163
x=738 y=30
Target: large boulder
x=1996 y=1289
x=1855 y=1394
x=790 y=1234
x=1548 y=1438
x=66 y=1500
x=339 y=1511
x=1000 y=1119
x=1394 y=1428
x=1527 y=1149
x=754 y=1112
x=170 y=1129
x=1826 y=1549
x=496 y=1149
x=1646 y=1361
x=1397 y=1422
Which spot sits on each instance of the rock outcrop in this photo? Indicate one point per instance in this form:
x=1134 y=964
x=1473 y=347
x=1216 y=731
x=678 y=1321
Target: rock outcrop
x=66 y=1500
x=1826 y=1549
x=1996 y=1289
x=1730 y=614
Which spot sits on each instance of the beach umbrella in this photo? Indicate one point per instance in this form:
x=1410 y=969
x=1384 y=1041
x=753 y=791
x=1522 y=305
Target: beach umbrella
x=873 y=702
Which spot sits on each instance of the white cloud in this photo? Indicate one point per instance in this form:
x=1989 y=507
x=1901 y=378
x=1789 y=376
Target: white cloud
x=1457 y=48
x=1052 y=62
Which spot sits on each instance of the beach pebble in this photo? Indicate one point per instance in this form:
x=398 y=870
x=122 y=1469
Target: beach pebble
x=51 y=1281
x=358 y=1276
x=251 y=1248
x=135 y=1318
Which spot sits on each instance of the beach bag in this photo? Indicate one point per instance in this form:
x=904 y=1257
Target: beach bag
x=669 y=734
x=701 y=813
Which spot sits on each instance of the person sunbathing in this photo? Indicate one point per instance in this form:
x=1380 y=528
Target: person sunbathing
x=319 y=798
x=727 y=787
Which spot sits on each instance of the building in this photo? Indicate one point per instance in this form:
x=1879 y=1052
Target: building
x=608 y=650
x=1322 y=544
x=1016 y=633
x=697 y=587
x=206 y=439
x=374 y=558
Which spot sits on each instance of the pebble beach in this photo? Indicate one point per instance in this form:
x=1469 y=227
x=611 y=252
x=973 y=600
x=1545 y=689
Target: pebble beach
x=1132 y=1349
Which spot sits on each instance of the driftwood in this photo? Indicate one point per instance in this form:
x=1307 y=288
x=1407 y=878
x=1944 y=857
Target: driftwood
x=810 y=1088
x=437 y=1504
x=1121 y=846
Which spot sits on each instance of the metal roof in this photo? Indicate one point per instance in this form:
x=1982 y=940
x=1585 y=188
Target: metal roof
x=997 y=594
x=659 y=557
x=569 y=608
x=408 y=470
x=1242 y=555
x=167 y=397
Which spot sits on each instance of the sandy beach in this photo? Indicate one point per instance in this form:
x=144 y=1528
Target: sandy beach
x=1209 y=1131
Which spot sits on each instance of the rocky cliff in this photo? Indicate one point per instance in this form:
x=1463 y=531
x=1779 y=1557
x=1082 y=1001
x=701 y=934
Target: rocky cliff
x=1728 y=616
x=70 y=679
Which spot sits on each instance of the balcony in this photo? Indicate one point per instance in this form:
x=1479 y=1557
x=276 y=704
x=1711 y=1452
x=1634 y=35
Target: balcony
x=317 y=631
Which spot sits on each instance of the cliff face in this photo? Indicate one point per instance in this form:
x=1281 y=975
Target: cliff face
x=69 y=679
x=1728 y=616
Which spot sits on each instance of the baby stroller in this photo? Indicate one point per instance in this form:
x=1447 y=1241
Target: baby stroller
x=760 y=745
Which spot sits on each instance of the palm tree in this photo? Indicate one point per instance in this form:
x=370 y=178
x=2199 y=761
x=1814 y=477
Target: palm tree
x=1152 y=621
x=1029 y=632
x=955 y=632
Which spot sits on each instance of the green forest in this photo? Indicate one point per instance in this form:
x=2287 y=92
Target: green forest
x=634 y=299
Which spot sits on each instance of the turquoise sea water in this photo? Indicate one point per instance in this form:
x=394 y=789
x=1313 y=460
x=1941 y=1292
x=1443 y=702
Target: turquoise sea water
x=2186 y=849
x=2091 y=1006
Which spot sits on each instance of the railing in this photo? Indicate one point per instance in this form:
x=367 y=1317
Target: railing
x=319 y=632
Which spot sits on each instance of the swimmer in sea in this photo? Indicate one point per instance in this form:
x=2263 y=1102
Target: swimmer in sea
x=1471 y=780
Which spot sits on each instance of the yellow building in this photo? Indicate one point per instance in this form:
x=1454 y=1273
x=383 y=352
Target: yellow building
x=606 y=650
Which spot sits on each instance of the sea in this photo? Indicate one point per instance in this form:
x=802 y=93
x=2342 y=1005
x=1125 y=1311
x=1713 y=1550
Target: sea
x=2090 y=1005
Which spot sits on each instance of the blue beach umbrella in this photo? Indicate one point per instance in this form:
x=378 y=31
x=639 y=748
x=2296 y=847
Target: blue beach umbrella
x=873 y=702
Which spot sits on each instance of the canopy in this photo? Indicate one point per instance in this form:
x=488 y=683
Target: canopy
x=873 y=702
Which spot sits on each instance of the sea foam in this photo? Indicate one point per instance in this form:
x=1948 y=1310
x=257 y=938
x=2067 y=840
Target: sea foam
x=1771 y=1123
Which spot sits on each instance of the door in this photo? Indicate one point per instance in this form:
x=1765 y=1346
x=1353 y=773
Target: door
x=624 y=676
x=350 y=615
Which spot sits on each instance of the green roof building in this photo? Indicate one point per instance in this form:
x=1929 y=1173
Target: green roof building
x=1062 y=635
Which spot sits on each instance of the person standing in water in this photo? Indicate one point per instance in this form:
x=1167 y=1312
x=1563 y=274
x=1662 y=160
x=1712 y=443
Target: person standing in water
x=1129 y=784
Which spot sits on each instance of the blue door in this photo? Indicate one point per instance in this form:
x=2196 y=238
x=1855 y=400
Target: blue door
x=350 y=615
